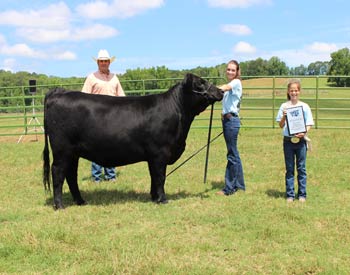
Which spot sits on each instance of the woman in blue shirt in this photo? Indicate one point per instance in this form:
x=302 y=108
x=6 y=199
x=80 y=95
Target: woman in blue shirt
x=234 y=179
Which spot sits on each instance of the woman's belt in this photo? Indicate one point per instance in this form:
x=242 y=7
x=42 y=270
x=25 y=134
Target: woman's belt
x=229 y=115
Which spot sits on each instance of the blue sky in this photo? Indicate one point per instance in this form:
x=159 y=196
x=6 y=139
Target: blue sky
x=60 y=38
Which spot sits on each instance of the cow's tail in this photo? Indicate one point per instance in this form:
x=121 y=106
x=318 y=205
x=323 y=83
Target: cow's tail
x=46 y=154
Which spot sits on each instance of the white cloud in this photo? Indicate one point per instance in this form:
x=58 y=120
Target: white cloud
x=54 y=16
x=322 y=47
x=9 y=64
x=93 y=32
x=236 y=29
x=20 y=50
x=41 y=35
x=2 y=39
x=53 y=24
x=317 y=51
x=23 y=50
x=177 y=63
x=296 y=57
x=237 y=3
x=96 y=10
x=67 y=55
x=117 y=8
x=47 y=25
x=244 y=48
x=132 y=7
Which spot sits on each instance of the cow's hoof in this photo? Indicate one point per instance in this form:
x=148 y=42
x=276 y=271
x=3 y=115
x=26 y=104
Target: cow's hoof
x=58 y=207
x=164 y=201
x=81 y=202
x=154 y=199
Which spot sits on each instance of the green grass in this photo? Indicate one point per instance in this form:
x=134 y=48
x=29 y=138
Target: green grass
x=121 y=232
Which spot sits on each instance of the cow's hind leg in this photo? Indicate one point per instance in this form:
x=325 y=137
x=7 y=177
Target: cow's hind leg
x=72 y=180
x=157 y=171
x=58 y=175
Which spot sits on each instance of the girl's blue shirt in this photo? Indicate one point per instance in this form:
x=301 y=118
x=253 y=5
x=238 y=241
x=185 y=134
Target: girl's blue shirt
x=309 y=121
x=231 y=101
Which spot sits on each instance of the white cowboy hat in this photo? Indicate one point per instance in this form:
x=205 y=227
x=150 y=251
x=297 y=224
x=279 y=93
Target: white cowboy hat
x=104 y=55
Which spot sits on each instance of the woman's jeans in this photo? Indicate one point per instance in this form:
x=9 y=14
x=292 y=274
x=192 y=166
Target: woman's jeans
x=295 y=153
x=96 y=170
x=234 y=178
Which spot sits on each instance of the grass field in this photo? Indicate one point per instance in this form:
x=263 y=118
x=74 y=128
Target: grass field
x=121 y=232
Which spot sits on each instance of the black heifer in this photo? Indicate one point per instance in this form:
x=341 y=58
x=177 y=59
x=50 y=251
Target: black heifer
x=115 y=131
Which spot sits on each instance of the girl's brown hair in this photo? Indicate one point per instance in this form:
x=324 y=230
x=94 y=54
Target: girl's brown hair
x=290 y=82
x=237 y=66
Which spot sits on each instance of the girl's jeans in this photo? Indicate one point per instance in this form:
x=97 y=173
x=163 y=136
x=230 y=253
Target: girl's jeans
x=234 y=178
x=295 y=153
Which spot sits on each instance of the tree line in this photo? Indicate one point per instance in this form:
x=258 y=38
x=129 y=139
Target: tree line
x=339 y=65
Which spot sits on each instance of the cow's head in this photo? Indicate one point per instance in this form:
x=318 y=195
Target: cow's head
x=201 y=91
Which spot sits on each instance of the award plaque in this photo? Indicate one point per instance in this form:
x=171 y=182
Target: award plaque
x=295 y=120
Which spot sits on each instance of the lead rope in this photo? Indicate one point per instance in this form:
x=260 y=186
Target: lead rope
x=207 y=145
x=194 y=154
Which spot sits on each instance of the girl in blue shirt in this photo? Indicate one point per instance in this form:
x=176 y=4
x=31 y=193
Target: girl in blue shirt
x=295 y=146
x=234 y=179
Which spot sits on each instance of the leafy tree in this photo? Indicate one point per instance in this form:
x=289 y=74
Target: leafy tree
x=340 y=65
x=300 y=70
x=275 y=66
x=254 y=67
x=318 y=68
x=145 y=78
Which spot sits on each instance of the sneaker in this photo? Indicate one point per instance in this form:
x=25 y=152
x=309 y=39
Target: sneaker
x=220 y=193
x=302 y=199
x=289 y=200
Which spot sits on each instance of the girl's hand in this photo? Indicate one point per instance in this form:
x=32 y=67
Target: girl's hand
x=300 y=135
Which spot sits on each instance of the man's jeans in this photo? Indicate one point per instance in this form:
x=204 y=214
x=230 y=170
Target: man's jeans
x=96 y=170
x=234 y=178
x=295 y=153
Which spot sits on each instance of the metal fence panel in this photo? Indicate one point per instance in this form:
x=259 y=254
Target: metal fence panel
x=21 y=113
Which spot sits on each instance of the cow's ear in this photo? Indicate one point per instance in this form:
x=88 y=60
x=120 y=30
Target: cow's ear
x=191 y=82
x=187 y=81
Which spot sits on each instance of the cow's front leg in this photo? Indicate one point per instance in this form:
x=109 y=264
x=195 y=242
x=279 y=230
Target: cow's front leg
x=157 y=171
x=58 y=176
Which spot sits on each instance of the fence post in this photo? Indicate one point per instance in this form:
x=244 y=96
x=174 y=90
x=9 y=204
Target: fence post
x=208 y=144
x=273 y=101
x=317 y=94
x=24 y=111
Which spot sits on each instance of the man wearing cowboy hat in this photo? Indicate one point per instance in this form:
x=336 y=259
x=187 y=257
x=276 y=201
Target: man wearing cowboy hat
x=104 y=83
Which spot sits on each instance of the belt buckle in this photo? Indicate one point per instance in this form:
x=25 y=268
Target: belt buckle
x=227 y=116
x=295 y=140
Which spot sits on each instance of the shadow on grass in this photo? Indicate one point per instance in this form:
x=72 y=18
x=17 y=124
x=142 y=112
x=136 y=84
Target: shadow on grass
x=108 y=197
x=275 y=193
x=270 y=192
x=217 y=185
